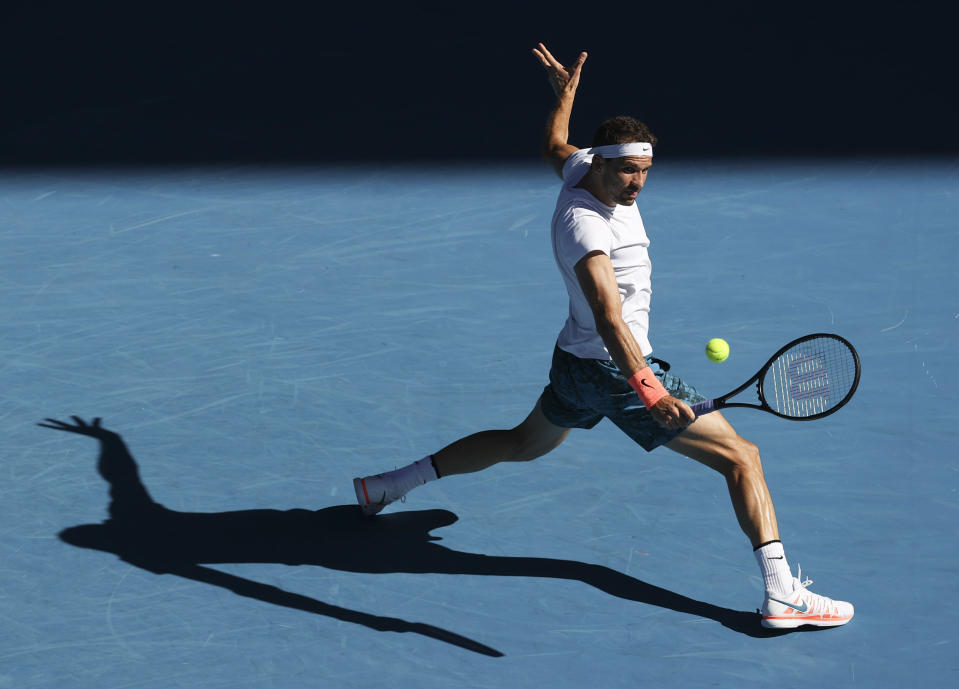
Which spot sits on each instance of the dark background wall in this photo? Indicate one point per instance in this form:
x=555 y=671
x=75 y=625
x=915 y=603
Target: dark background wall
x=162 y=82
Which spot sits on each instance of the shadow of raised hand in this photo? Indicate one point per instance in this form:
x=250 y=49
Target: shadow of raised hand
x=115 y=465
x=81 y=427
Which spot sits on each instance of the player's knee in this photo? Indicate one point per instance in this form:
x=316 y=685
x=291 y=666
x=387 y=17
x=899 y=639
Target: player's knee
x=527 y=446
x=744 y=458
x=528 y=450
x=747 y=459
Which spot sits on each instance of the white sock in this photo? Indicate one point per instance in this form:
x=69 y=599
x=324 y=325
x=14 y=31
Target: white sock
x=412 y=475
x=775 y=569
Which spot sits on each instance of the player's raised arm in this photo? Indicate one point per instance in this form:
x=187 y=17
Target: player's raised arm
x=556 y=147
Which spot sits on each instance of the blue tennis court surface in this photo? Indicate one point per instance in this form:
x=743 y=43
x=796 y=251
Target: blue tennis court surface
x=256 y=337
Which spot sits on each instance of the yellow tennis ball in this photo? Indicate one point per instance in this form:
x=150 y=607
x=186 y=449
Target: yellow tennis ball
x=717 y=349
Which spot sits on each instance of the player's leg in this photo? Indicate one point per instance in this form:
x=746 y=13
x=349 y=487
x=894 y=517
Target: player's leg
x=712 y=441
x=533 y=438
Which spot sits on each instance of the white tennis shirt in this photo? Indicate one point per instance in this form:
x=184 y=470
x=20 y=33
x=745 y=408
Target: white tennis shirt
x=582 y=224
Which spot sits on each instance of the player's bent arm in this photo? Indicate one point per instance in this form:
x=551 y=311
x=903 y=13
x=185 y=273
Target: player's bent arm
x=598 y=282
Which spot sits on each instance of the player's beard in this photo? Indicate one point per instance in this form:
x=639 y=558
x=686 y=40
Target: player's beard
x=629 y=195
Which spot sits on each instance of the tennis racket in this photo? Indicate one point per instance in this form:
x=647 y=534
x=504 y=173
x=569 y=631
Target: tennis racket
x=809 y=378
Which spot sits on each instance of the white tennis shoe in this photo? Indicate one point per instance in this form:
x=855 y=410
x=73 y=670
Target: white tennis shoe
x=373 y=493
x=802 y=606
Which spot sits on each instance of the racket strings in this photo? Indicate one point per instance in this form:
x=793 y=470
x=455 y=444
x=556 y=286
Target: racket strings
x=810 y=378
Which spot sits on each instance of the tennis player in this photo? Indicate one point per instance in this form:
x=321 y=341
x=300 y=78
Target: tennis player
x=602 y=364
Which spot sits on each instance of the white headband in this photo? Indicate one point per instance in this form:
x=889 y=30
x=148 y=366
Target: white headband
x=622 y=150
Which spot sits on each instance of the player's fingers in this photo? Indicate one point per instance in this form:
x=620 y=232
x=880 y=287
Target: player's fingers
x=551 y=61
x=577 y=68
x=542 y=58
x=546 y=54
x=665 y=418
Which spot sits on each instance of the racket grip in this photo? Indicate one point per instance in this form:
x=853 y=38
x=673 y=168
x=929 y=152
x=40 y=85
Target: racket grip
x=704 y=407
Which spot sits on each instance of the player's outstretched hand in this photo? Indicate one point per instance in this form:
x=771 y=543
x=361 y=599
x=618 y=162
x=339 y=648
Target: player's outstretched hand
x=94 y=430
x=672 y=413
x=559 y=77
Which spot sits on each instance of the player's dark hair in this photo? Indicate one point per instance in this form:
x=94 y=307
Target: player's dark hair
x=622 y=130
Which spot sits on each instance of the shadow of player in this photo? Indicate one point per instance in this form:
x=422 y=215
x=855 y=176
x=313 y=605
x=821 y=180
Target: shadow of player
x=148 y=535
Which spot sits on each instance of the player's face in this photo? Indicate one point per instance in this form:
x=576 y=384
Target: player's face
x=623 y=178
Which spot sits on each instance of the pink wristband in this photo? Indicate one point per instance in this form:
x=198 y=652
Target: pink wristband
x=648 y=387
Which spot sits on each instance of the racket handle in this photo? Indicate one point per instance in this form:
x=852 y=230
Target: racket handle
x=704 y=407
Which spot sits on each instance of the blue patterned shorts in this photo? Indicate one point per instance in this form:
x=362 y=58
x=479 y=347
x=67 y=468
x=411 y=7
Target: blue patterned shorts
x=583 y=391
